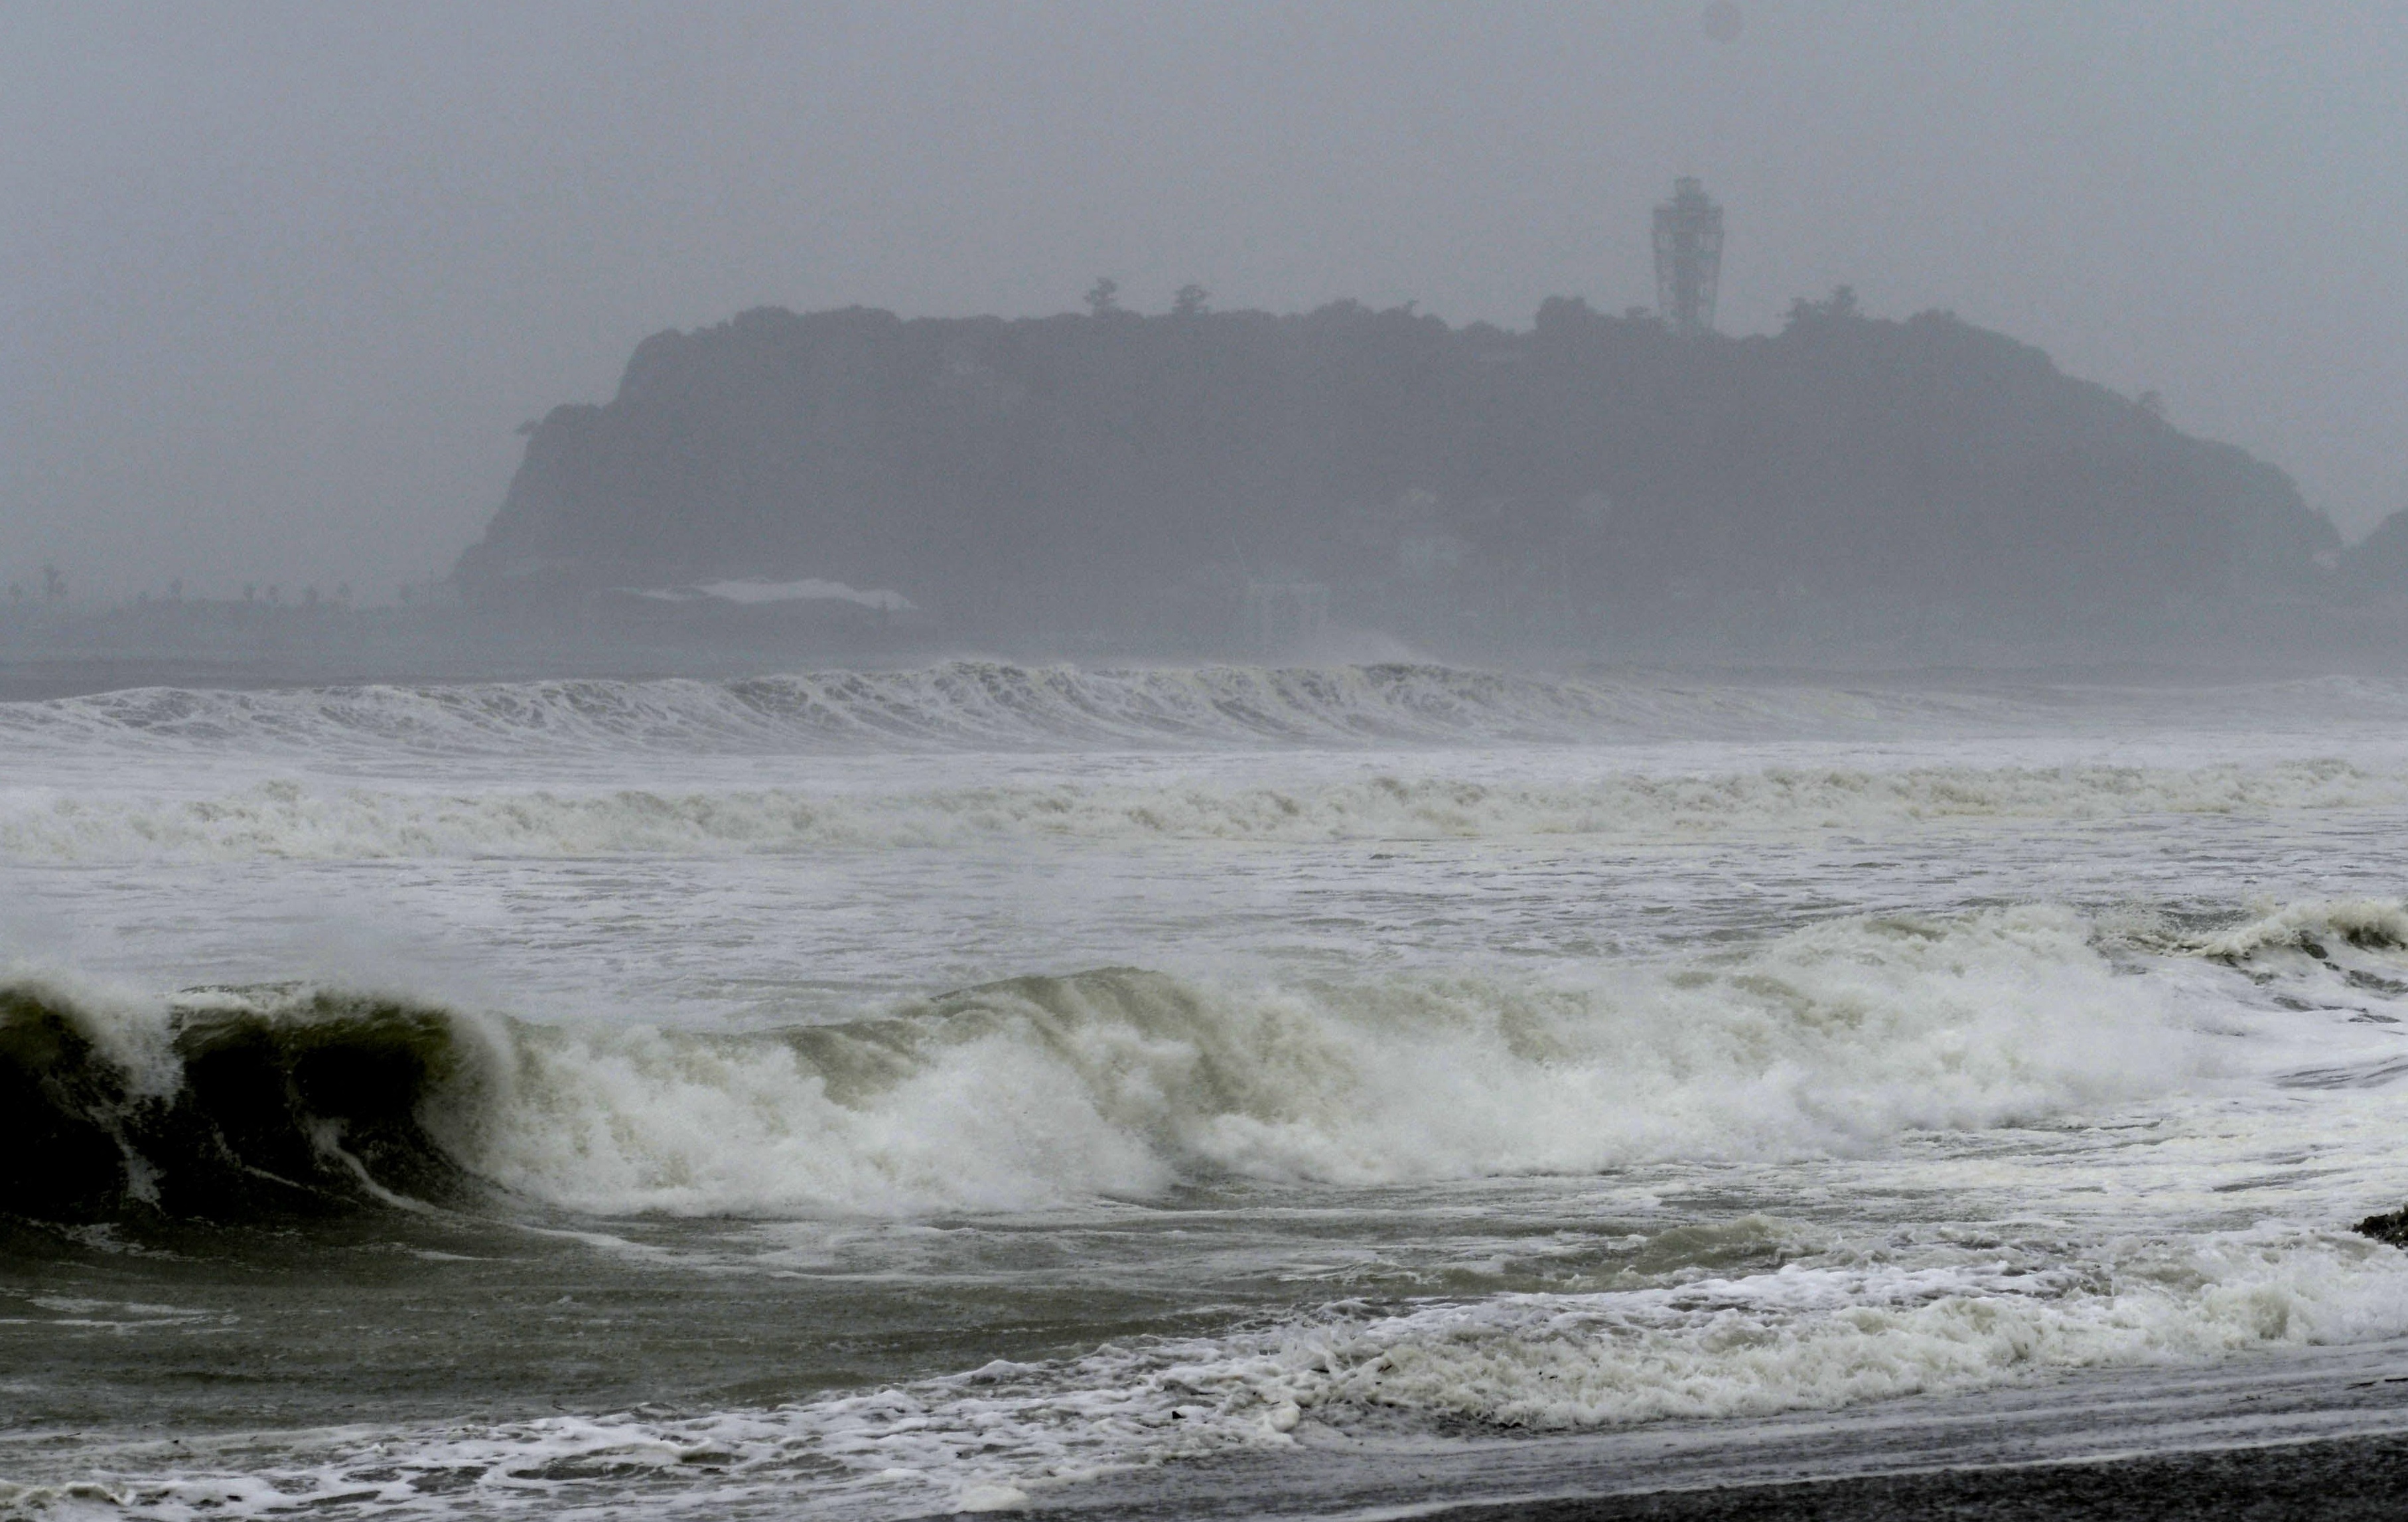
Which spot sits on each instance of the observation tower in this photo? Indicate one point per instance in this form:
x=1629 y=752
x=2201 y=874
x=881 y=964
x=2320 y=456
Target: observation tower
x=1688 y=257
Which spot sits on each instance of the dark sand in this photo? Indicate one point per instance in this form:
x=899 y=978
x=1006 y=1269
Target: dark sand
x=2341 y=1479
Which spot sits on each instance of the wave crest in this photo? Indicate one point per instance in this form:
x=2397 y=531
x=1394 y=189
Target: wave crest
x=287 y=819
x=955 y=705
x=1114 y=1082
x=2366 y=924
x=231 y=1104
x=993 y=705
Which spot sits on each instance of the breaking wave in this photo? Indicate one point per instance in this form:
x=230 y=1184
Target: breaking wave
x=2367 y=923
x=1116 y=1083
x=957 y=705
x=229 y=1104
x=289 y=819
x=986 y=705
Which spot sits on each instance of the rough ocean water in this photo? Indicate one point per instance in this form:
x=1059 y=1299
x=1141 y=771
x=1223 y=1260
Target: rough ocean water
x=875 y=1094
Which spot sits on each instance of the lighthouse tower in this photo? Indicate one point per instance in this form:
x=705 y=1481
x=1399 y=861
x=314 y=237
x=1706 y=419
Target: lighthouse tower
x=1689 y=258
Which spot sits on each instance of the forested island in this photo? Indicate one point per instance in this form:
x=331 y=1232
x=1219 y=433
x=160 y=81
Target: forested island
x=1595 y=482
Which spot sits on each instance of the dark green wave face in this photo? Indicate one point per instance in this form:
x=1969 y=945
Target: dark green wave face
x=249 y=1105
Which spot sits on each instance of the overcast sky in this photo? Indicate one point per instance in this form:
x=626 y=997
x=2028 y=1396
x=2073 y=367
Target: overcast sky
x=279 y=282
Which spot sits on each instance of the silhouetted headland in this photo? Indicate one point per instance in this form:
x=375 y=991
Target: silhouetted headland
x=853 y=488
x=1597 y=484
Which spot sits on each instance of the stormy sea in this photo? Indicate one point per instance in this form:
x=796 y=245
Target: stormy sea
x=1219 y=1091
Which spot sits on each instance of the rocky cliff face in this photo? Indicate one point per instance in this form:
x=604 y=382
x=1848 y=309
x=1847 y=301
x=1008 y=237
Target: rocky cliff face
x=1591 y=478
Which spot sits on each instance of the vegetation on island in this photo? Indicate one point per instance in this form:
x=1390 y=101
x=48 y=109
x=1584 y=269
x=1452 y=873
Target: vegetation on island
x=1594 y=476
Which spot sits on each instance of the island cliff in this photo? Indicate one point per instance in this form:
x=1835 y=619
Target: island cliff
x=1590 y=480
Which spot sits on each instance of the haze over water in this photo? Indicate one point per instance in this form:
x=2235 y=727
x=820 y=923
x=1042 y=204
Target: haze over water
x=286 y=279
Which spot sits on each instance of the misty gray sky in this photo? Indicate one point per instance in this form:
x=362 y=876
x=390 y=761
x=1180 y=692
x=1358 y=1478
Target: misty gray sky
x=279 y=282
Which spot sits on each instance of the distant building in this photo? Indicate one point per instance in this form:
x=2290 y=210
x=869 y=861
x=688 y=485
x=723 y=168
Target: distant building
x=751 y=607
x=1688 y=257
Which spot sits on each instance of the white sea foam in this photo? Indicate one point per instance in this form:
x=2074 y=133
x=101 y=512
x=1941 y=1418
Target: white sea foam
x=1810 y=1336
x=1831 y=1039
x=1817 y=1335
x=293 y=820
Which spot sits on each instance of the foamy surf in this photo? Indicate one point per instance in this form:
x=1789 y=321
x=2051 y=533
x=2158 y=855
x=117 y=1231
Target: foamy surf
x=293 y=820
x=972 y=705
x=1818 y=1334
x=1836 y=1039
x=1839 y=1328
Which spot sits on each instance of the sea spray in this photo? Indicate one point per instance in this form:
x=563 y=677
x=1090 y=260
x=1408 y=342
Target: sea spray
x=1120 y=1083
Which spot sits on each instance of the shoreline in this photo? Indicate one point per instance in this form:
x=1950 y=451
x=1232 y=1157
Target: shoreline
x=2318 y=1432
x=2328 y=1479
